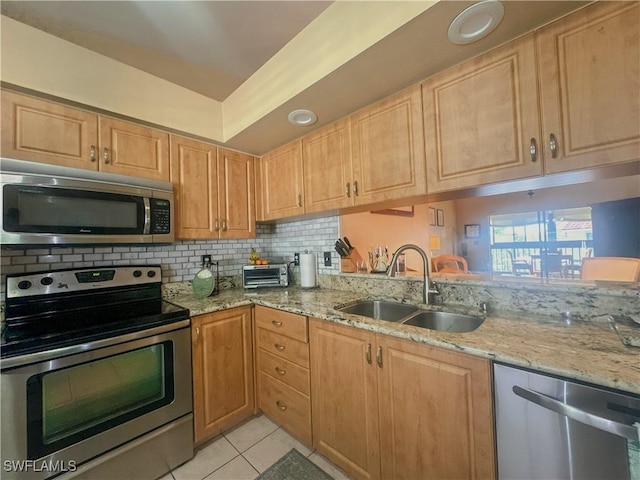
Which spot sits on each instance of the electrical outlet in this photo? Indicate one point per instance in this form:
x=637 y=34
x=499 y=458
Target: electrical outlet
x=206 y=260
x=296 y=259
x=327 y=259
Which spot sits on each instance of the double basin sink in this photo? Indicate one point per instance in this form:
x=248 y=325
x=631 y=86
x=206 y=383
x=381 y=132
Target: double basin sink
x=411 y=315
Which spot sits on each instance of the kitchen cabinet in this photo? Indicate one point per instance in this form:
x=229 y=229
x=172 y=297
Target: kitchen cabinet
x=214 y=190
x=327 y=168
x=47 y=132
x=481 y=119
x=282 y=365
x=420 y=411
x=387 y=149
x=223 y=376
x=280 y=183
x=42 y=131
x=590 y=87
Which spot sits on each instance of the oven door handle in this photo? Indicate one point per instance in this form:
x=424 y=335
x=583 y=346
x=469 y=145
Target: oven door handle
x=604 y=424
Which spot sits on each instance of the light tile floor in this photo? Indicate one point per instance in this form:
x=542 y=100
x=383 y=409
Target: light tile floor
x=245 y=452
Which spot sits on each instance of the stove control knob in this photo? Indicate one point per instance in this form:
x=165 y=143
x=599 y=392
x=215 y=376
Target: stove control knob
x=24 y=285
x=137 y=273
x=151 y=273
x=46 y=281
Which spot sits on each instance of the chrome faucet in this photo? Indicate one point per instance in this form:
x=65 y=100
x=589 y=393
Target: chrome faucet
x=425 y=263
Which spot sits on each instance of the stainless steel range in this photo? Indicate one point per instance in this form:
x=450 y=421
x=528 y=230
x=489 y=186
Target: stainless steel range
x=96 y=376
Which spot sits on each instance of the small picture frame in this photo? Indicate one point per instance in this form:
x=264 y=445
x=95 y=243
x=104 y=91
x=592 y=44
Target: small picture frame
x=440 y=218
x=472 y=230
x=432 y=216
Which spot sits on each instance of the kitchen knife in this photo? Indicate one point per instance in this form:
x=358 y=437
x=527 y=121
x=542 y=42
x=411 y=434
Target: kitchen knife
x=341 y=251
x=344 y=246
x=346 y=240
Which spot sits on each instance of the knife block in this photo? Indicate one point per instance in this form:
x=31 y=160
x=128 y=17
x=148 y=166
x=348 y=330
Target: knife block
x=350 y=264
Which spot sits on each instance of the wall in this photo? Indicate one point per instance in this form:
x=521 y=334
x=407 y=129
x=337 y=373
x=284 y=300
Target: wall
x=181 y=260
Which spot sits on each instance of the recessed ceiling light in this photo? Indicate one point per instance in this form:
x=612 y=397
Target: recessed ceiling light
x=302 y=118
x=476 y=22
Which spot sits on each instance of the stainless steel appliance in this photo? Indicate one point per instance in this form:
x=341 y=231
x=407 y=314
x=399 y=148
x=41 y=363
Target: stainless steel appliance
x=272 y=275
x=48 y=204
x=96 y=376
x=553 y=428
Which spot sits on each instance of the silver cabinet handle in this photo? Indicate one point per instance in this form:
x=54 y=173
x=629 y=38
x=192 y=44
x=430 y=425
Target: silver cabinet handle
x=604 y=424
x=553 y=145
x=281 y=405
x=106 y=155
x=299 y=200
x=280 y=371
x=197 y=334
x=347 y=190
x=276 y=323
x=92 y=153
x=533 y=149
x=367 y=353
x=379 y=357
x=355 y=188
x=224 y=225
x=217 y=225
x=278 y=346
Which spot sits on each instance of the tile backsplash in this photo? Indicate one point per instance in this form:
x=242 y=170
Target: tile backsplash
x=181 y=260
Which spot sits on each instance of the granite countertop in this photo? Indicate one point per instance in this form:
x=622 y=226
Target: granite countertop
x=589 y=351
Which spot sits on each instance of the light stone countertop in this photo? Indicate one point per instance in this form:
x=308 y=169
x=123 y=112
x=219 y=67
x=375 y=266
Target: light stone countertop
x=588 y=351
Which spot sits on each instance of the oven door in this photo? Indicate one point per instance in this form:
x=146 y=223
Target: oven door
x=59 y=413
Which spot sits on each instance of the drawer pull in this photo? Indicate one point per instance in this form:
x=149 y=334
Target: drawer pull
x=276 y=323
x=379 y=356
x=280 y=371
x=279 y=347
x=281 y=406
x=368 y=353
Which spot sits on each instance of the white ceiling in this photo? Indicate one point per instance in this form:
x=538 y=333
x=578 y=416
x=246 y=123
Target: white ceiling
x=212 y=47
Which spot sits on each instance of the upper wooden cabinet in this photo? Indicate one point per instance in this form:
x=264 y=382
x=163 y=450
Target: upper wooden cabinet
x=326 y=160
x=481 y=119
x=279 y=183
x=214 y=191
x=420 y=411
x=222 y=358
x=42 y=131
x=131 y=149
x=590 y=87
x=387 y=149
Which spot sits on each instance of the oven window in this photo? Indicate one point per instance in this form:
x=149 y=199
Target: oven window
x=71 y=404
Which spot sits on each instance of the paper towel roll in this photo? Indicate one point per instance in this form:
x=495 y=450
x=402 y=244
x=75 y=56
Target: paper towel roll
x=308 y=270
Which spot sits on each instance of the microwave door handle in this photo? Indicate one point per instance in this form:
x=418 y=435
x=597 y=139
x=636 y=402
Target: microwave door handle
x=147 y=216
x=604 y=424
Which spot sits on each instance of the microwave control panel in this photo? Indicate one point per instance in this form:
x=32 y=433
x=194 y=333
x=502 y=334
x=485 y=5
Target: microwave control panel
x=160 y=215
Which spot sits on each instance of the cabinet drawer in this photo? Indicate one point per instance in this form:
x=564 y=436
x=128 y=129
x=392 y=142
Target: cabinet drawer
x=285 y=347
x=286 y=406
x=285 y=323
x=287 y=372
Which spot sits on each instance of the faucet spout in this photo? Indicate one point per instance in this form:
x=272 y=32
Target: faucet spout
x=425 y=264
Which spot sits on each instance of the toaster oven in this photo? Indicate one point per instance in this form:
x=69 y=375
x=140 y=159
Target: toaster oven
x=257 y=276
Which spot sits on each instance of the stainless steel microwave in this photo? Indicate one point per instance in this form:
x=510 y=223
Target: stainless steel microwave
x=51 y=205
x=272 y=275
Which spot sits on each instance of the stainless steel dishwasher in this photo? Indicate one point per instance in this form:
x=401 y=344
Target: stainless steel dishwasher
x=553 y=428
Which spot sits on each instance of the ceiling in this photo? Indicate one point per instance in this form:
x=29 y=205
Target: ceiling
x=214 y=47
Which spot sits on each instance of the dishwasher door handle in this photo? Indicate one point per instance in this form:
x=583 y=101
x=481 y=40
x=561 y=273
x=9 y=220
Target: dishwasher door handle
x=604 y=424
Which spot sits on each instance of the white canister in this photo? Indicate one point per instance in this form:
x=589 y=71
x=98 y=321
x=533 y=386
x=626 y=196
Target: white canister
x=308 y=266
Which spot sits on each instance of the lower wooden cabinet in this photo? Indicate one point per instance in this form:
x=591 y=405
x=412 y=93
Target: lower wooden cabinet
x=223 y=376
x=390 y=408
x=282 y=358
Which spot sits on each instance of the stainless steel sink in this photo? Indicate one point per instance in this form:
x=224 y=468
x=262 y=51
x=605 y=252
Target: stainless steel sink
x=380 y=309
x=445 y=321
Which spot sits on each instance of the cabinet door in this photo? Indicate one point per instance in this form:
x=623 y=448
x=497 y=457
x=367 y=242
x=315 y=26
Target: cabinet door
x=327 y=168
x=435 y=412
x=236 y=194
x=222 y=370
x=134 y=150
x=194 y=178
x=481 y=117
x=41 y=131
x=344 y=398
x=387 y=149
x=280 y=180
x=590 y=86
